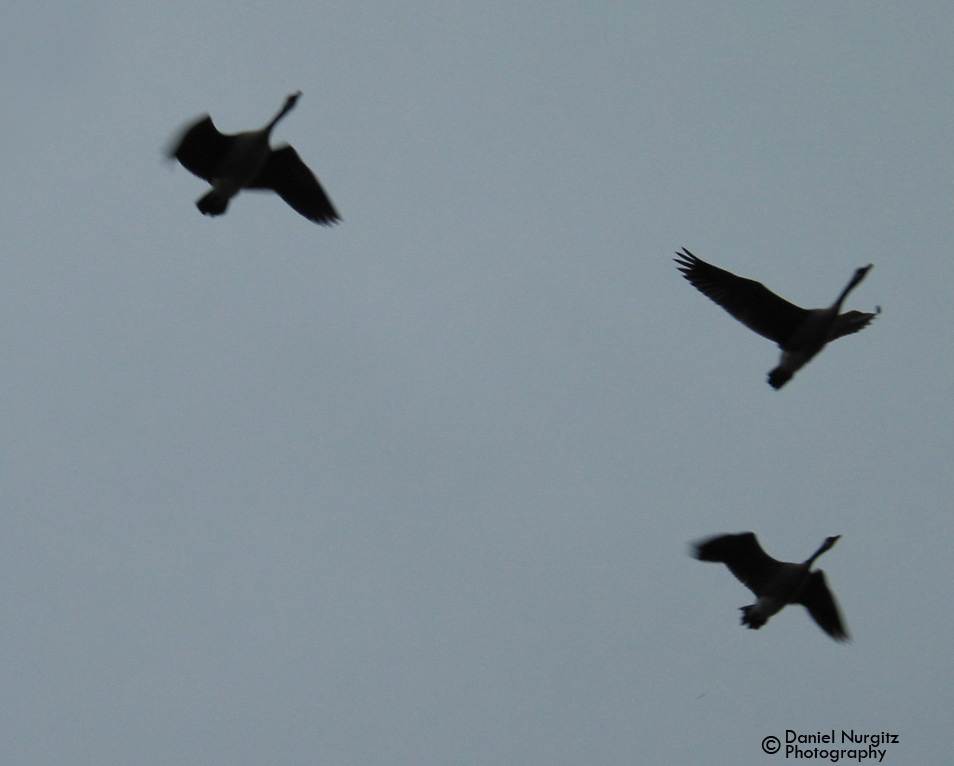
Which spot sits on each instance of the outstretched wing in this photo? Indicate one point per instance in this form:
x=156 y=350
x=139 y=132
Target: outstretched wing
x=751 y=302
x=201 y=147
x=285 y=173
x=852 y=321
x=821 y=605
x=744 y=557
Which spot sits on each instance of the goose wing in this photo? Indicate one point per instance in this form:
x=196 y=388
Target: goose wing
x=751 y=302
x=821 y=605
x=743 y=555
x=201 y=148
x=285 y=173
x=852 y=321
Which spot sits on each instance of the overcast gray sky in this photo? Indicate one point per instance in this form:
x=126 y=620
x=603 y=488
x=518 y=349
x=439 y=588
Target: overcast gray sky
x=418 y=489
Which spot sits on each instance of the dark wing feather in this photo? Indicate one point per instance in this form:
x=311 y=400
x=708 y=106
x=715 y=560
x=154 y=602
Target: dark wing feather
x=285 y=173
x=744 y=557
x=201 y=148
x=852 y=321
x=821 y=605
x=751 y=302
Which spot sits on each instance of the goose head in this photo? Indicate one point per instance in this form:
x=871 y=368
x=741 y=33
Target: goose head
x=825 y=546
x=293 y=99
x=855 y=281
x=286 y=108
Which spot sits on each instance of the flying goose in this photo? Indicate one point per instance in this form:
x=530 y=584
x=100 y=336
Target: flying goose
x=232 y=162
x=800 y=333
x=775 y=583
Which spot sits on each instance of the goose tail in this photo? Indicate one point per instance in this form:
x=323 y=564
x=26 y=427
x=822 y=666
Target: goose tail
x=751 y=618
x=213 y=203
x=779 y=377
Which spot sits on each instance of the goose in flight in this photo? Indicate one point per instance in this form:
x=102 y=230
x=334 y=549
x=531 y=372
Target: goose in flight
x=775 y=583
x=800 y=333
x=232 y=162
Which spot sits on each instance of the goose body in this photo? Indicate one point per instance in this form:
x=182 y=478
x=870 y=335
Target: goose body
x=800 y=333
x=232 y=162
x=775 y=583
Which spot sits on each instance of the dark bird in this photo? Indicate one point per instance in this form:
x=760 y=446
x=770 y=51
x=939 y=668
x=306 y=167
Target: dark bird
x=800 y=333
x=232 y=162
x=775 y=583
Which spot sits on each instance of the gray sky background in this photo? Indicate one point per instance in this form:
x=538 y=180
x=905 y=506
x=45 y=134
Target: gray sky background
x=418 y=489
